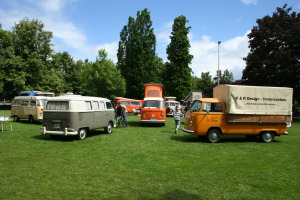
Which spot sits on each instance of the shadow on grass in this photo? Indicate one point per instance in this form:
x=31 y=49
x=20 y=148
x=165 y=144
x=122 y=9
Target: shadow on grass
x=72 y=138
x=179 y=195
x=225 y=139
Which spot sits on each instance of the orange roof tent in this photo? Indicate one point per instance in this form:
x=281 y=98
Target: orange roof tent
x=153 y=90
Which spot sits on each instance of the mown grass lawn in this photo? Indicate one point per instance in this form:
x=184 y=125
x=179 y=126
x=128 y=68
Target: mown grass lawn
x=146 y=163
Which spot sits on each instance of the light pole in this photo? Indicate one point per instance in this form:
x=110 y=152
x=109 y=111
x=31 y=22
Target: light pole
x=219 y=42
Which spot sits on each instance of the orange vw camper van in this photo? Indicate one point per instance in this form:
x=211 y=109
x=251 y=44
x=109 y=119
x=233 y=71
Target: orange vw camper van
x=153 y=109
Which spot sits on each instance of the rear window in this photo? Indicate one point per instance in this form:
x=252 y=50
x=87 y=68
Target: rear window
x=57 y=105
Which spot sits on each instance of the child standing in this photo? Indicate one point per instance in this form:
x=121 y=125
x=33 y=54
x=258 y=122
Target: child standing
x=177 y=114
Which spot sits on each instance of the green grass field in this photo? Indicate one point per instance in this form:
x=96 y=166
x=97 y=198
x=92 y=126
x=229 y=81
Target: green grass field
x=146 y=163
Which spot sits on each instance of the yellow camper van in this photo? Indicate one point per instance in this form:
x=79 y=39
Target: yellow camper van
x=28 y=107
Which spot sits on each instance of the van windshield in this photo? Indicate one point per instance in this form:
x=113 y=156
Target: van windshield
x=196 y=106
x=57 y=105
x=153 y=104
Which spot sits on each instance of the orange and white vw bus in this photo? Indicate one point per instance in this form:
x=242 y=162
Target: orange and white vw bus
x=153 y=110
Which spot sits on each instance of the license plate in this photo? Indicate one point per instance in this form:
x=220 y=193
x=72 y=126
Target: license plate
x=56 y=125
x=153 y=119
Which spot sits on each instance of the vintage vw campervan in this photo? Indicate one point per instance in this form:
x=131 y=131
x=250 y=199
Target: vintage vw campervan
x=28 y=107
x=69 y=115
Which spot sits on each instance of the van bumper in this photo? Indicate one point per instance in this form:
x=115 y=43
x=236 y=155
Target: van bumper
x=66 y=132
x=188 y=131
x=153 y=121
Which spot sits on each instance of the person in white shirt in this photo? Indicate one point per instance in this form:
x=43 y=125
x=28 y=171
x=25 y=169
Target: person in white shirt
x=177 y=114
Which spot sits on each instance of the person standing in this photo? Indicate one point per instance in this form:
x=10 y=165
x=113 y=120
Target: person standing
x=177 y=114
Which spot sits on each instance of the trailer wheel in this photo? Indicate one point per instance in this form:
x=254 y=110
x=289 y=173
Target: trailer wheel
x=267 y=137
x=81 y=134
x=109 y=128
x=213 y=136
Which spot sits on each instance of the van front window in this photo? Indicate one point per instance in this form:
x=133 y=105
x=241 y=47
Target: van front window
x=57 y=105
x=196 y=106
x=153 y=104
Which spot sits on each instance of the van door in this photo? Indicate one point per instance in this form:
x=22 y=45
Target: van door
x=23 y=109
x=31 y=109
x=213 y=116
x=99 y=114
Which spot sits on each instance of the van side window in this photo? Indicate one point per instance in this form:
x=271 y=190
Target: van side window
x=25 y=103
x=96 y=105
x=108 y=105
x=212 y=107
x=33 y=103
x=17 y=102
x=135 y=103
x=125 y=103
x=88 y=105
x=101 y=105
x=196 y=106
x=57 y=105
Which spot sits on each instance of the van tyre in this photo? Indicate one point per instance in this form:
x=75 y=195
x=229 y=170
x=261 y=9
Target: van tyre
x=30 y=119
x=16 y=118
x=81 y=134
x=213 y=136
x=109 y=128
x=267 y=137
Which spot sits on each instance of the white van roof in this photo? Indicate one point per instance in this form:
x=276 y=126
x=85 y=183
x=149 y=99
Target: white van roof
x=77 y=98
x=32 y=97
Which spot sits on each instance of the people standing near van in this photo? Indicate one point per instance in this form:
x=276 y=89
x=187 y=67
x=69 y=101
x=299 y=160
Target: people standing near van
x=177 y=114
x=121 y=112
x=125 y=122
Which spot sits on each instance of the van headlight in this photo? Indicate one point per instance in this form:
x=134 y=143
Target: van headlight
x=161 y=115
x=144 y=115
x=191 y=123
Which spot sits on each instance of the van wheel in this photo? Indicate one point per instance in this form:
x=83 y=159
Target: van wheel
x=30 y=119
x=16 y=118
x=81 y=134
x=267 y=137
x=109 y=128
x=213 y=136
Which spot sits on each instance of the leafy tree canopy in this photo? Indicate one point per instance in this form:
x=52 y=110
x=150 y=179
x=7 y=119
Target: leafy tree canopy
x=274 y=54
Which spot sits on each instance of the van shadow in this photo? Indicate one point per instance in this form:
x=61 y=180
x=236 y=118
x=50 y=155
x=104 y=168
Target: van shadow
x=59 y=138
x=138 y=124
x=225 y=139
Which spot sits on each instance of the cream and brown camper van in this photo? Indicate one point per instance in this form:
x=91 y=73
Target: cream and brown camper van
x=69 y=115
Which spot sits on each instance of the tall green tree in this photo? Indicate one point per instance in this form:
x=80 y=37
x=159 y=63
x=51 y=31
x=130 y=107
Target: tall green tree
x=102 y=78
x=64 y=63
x=274 y=54
x=27 y=59
x=178 y=80
x=225 y=77
x=204 y=84
x=136 y=54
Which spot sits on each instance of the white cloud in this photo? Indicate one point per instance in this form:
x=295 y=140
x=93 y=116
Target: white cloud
x=249 y=2
x=231 y=52
x=111 y=49
x=163 y=34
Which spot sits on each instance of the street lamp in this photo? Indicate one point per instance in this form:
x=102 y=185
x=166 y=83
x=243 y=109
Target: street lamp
x=219 y=42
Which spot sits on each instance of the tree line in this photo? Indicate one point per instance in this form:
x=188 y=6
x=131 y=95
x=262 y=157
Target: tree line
x=27 y=61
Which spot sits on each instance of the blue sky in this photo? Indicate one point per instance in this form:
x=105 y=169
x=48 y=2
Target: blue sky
x=82 y=27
